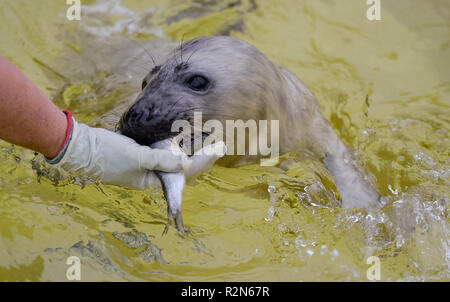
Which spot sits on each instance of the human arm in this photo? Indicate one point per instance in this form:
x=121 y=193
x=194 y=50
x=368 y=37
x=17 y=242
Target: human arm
x=29 y=119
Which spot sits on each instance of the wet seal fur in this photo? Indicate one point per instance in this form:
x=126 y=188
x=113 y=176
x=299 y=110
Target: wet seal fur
x=226 y=78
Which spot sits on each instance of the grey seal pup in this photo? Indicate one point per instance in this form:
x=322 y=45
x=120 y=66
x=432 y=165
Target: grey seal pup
x=226 y=78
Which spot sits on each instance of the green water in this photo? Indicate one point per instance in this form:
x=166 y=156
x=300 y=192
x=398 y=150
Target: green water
x=240 y=230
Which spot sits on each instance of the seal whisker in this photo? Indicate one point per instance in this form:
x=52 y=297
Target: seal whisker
x=148 y=53
x=212 y=114
x=207 y=114
x=175 y=103
x=215 y=115
x=191 y=56
x=143 y=68
x=139 y=60
x=181 y=48
x=131 y=68
x=189 y=109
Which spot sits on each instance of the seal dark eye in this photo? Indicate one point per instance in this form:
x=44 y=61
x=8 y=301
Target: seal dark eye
x=198 y=83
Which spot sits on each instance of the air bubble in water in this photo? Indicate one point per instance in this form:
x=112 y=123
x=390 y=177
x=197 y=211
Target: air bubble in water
x=334 y=254
x=270 y=214
x=399 y=241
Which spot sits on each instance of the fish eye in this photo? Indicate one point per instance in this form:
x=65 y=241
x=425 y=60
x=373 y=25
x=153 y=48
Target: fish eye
x=198 y=83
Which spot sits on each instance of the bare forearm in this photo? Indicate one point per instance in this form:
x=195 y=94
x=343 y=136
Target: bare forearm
x=27 y=117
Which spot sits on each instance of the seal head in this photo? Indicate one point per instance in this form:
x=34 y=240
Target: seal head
x=211 y=75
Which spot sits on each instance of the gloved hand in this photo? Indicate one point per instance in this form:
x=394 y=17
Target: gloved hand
x=200 y=161
x=204 y=159
x=119 y=160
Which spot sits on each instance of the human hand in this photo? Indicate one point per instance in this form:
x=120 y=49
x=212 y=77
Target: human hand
x=119 y=160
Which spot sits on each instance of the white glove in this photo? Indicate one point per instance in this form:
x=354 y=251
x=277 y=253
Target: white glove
x=204 y=159
x=119 y=160
x=200 y=161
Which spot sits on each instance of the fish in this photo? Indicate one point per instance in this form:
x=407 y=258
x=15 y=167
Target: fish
x=173 y=183
x=173 y=186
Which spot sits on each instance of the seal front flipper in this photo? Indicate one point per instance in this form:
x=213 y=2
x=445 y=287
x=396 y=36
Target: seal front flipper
x=352 y=182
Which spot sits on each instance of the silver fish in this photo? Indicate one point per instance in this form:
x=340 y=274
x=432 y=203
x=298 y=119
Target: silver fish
x=173 y=183
x=173 y=186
